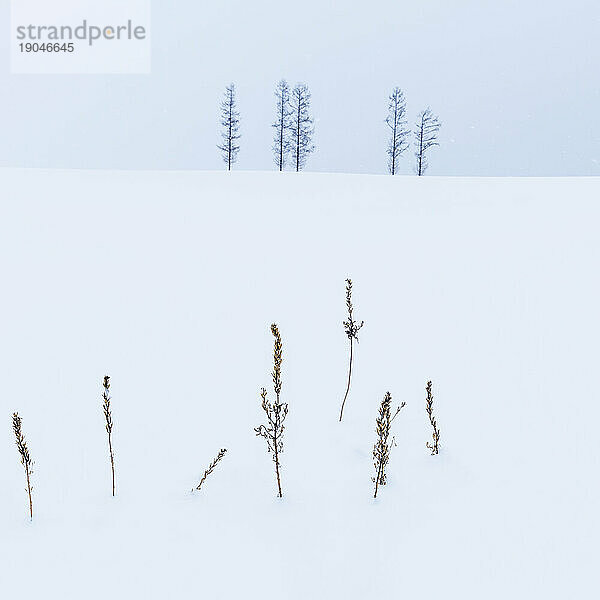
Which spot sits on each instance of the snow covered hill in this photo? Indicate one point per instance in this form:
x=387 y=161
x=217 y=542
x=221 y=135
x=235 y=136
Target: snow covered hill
x=168 y=282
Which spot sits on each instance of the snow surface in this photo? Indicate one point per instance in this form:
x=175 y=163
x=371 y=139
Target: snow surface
x=168 y=282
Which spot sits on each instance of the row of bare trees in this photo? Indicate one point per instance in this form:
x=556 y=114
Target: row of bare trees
x=425 y=133
x=294 y=129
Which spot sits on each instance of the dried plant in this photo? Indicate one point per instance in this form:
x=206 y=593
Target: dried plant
x=383 y=445
x=434 y=447
x=25 y=456
x=211 y=467
x=276 y=412
x=351 y=327
x=109 y=426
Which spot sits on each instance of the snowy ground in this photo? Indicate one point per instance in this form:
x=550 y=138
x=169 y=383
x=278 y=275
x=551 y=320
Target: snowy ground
x=168 y=282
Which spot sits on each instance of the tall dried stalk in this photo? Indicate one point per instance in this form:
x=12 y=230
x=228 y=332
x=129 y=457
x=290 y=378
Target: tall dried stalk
x=276 y=412
x=109 y=426
x=351 y=327
x=383 y=446
x=434 y=447
x=211 y=467
x=25 y=456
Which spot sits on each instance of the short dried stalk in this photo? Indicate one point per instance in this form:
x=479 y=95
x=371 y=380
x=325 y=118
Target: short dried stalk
x=109 y=426
x=276 y=412
x=25 y=457
x=434 y=447
x=383 y=446
x=212 y=466
x=351 y=327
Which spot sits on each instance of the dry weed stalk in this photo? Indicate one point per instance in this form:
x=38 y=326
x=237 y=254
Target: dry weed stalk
x=109 y=426
x=434 y=447
x=351 y=327
x=277 y=411
x=25 y=457
x=212 y=466
x=383 y=446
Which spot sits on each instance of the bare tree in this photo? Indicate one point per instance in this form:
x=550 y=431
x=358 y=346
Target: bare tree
x=396 y=121
x=230 y=122
x=425 y=133
x=276 y=412
x=281 y=139
x=301 y=126
x=25 y=456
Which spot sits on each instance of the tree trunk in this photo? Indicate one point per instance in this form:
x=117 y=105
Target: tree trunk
x=281 y=124
x=298 y=138
x=420 y=169
x=394 y=142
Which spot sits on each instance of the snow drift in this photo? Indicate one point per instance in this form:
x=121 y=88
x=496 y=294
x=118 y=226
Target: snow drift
x=168 y=282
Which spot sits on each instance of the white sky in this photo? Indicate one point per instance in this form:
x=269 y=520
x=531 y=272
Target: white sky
x=515 y=83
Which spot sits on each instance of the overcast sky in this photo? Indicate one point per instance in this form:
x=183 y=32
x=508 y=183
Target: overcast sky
x=515 y=83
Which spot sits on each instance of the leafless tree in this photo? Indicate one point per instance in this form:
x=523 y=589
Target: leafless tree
x=396 y=121
x=426 y=131
x=230 y=123
x=301 y=126
x=282 y=124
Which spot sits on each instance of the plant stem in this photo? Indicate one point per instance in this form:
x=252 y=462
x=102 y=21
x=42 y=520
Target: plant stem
x=277 y=453
x=349 y=376
x=29 y=492
x=277 y=471
x=112 y=463
x=377 y=478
